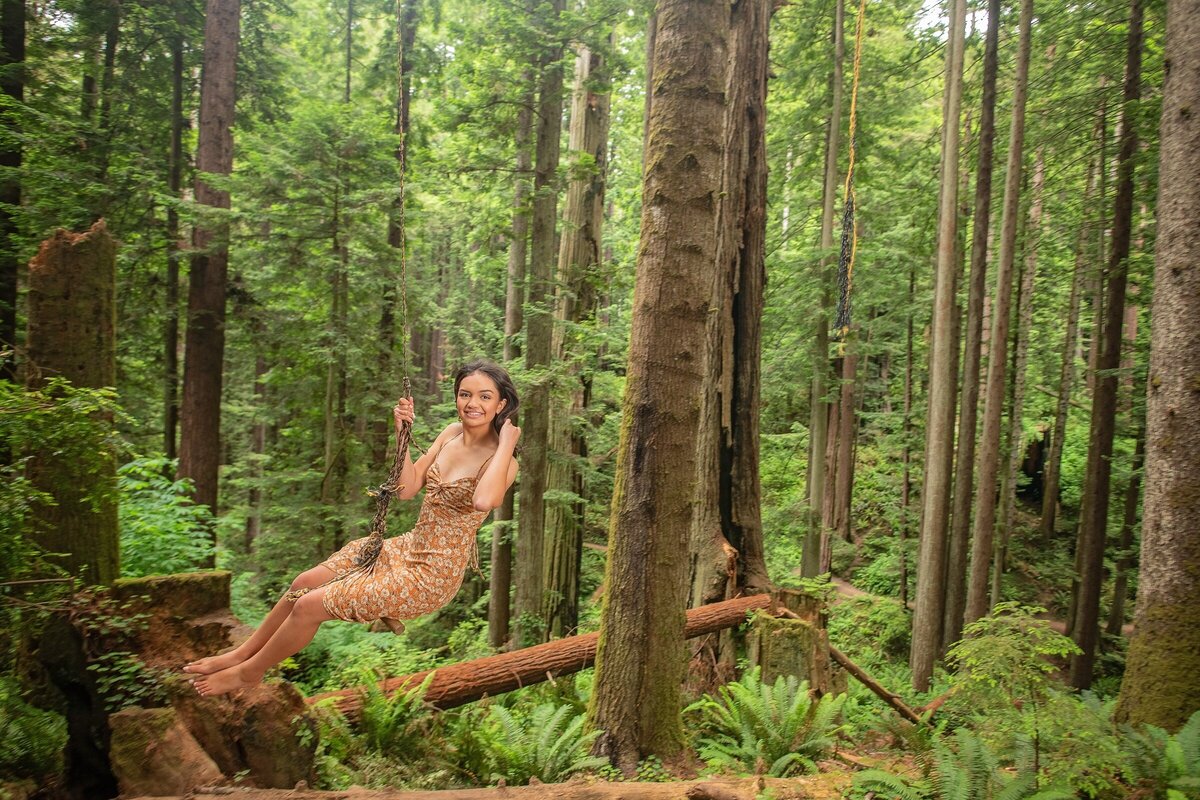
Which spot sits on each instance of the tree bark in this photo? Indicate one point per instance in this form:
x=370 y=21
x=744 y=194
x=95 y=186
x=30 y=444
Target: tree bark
x=983 y=530
x=200 y=414
x=640 y=661
x=72 y=335
x=12 y=84
x=1159 y=686
x=964 y=475
x=939 y=436
x=579 y=271
x=1093 y=517
x=175 y=159
x=500 y=582
x=539 y=332
x=818 y=426
x=725 y=544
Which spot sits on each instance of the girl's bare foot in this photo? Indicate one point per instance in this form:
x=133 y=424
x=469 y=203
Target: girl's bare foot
x=225 y=681
x=207 y=666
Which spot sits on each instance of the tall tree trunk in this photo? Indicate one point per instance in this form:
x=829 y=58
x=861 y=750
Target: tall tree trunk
x=72 y=335
x=818 y=427
x=843 y=471
x=964 y=475
x=406 y=33
x=1159 y=686
x=1016 y=443
x=1133 y=493
x=539 y=332
x=939 y=436
x=983 y=530
x=726 y=549
x=12 y=84
x=579 y=262
x=1050 y=490
x=174 y=254
x=640 y=658
x=200 y=414
x=1093 y=517
x=906 y=453
x=500 y=583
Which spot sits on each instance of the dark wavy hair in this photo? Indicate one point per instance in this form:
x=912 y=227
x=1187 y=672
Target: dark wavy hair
x=503 y=382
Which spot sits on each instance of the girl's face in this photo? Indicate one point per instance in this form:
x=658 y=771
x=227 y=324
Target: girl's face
x=478 y=400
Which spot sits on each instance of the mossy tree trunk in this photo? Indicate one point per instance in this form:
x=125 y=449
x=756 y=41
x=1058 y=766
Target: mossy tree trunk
x=1160 y=685
x=200 y=413
x=72 y=335
x=641 y=658
x=726 y=542
x=579 y=273
x=539 y=332
x=1093 y=516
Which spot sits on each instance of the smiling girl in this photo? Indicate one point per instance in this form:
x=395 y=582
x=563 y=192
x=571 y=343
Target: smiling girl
x=466 y=474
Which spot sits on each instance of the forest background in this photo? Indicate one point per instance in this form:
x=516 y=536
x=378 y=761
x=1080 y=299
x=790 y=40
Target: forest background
x=389 y=188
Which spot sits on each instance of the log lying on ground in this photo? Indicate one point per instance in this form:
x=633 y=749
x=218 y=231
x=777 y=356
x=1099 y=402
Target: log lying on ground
x=889 y=697
x=812 y=787
x=457 y=684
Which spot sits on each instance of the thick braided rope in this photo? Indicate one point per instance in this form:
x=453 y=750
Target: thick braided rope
x=849 y=243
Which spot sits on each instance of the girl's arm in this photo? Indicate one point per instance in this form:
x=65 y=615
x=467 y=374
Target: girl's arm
x=500 y=472
x=412 y=474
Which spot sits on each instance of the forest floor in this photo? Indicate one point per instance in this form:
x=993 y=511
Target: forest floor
x=825 y=786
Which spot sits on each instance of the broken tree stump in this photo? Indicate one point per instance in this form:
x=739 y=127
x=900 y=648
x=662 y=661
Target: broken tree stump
x=457 y=684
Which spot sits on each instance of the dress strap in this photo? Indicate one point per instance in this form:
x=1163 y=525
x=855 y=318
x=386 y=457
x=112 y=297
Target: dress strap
x=438 y=454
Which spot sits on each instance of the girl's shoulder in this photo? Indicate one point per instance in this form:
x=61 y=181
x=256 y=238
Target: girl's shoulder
x=448 y=433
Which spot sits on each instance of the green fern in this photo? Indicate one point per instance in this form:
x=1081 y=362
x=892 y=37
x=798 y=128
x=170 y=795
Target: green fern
x=31 y=740
x=548 y=744
x=964 y=770
x=775 y=729
x=396 y=725
x=1168 y=764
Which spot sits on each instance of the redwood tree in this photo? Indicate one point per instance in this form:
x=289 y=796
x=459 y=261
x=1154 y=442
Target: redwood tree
x=1160 y=684
x=640 y=658
x=200 y=413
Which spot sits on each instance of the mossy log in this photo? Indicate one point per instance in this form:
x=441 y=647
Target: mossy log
x=457 y=684
x=782 y=646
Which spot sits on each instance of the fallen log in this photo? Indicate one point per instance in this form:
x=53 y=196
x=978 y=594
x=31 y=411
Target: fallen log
x=457 y=684
x=811 y=787
x=889 y=697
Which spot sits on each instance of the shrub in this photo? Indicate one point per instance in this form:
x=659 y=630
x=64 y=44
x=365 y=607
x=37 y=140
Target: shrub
x=778 y=730
x=31 y=740
x=548 y=743
x=162 y=530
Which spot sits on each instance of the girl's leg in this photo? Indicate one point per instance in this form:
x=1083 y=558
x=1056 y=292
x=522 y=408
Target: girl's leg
x=296 y=631
x=310 y=579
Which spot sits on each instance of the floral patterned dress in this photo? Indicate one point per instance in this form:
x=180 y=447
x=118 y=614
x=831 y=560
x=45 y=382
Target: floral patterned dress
x=417 y=572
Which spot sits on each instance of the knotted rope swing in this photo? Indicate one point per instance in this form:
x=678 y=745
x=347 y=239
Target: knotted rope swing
x=365 y=561
x=849 y=244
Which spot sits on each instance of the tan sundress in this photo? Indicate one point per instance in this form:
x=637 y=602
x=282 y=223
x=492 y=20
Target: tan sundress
x=417 y=572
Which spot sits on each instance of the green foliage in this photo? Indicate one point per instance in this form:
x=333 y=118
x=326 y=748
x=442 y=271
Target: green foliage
x=1167 y=765
x=125 y=681
x=162 y=530
x=776 y=730
x=547 y=743
x=870 y=628
x=399 y=724
x=31 y=740
x=963 y=770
